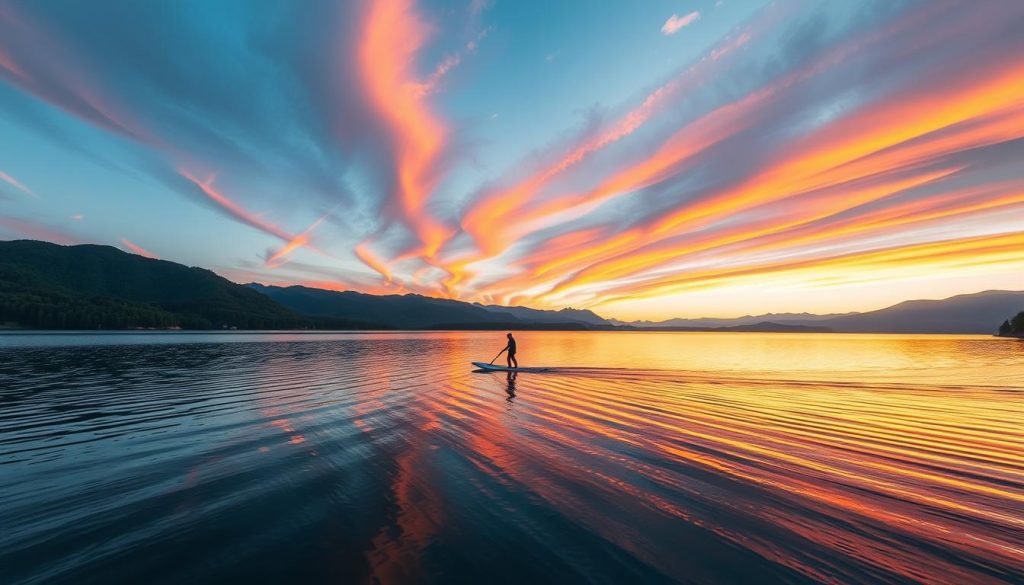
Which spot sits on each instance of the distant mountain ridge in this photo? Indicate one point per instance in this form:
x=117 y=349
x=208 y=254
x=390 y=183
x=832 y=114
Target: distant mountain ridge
x=780 y=318
x=49 y=286
x=967 y=313
x=758 y=327
x=411 y=311
x=566 y=315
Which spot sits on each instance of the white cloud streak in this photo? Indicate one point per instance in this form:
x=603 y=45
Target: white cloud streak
x=676 y=22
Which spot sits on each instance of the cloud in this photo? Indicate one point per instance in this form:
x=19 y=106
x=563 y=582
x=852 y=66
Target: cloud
x=770 y=151
x=433 y=81
x=224 y=203
x=140 y=83
x=137 y=249
x=38 y=231
x=301 y=240
x=675 y=22
x=363 y=252
x=392 y=36
x=16 y=184
x=487 y=219
x=883 y=263
x=822 y=169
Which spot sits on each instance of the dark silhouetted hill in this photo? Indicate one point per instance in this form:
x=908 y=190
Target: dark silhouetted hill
x=770 y=327
x=1013 y=327
x=567 y=315
x=412 y=311
x=49 y=286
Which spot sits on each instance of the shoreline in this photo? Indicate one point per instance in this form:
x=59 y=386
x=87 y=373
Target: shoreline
x=13 y=332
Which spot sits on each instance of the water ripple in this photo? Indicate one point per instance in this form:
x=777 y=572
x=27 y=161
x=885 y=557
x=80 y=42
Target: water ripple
x=382 y=458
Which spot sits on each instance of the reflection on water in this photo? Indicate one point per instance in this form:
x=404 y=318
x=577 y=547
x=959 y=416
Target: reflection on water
x=641 y=457
x=511 y=378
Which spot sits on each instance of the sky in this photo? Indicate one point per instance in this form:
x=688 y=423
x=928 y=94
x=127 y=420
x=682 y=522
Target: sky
x=646 y=160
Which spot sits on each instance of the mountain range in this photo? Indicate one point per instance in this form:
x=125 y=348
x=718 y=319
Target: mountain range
x=714 y=322
x=966 y=313
x=49 y=286
x=412 y=311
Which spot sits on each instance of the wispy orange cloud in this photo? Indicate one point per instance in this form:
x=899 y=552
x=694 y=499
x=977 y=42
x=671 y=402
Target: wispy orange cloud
x=393 y=34
x=299 y=241
x=497 y=217
x=433 y=81
x=924 y=259
x=821 y=160
x=501 y=219
x=504 y=216
x=693 y=139
x=207 y=188
x=743 y=244
x=898 y=134
x=777 y=152
x=362 y=251
x=137 y=249
x=806 y=210
x=958 y=204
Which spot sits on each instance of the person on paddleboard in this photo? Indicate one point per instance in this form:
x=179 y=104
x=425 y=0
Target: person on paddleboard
x=511 y=349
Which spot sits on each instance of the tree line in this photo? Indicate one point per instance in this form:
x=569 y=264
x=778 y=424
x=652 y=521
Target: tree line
x=1013 y=326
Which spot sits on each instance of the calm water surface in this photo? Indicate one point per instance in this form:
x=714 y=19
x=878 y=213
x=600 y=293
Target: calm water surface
x=641 y=457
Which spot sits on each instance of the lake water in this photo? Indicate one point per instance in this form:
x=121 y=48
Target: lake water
x=640 y=457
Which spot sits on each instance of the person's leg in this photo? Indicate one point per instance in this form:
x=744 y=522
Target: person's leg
x=512 y=359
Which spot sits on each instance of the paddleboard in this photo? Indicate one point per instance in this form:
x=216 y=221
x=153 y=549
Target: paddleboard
x=497 y=368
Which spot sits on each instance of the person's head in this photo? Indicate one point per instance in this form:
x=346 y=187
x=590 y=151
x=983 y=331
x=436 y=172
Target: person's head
x=509 y=335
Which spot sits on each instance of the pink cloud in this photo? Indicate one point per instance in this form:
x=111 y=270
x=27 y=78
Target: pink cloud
x=16 y=184
x=675 y=22
x=38 y=231
x=393 y=35
x=433 y=81
x=301 y=240
x=137 y=249
x=233 y=208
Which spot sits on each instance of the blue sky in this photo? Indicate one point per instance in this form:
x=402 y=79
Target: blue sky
x=643 y=159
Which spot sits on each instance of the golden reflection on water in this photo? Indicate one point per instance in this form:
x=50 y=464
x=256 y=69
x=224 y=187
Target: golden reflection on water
x=639 y=457
x=878 y=449
x=968 y=359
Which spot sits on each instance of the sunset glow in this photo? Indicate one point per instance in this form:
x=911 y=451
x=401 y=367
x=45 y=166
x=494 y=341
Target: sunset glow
x=715 y=160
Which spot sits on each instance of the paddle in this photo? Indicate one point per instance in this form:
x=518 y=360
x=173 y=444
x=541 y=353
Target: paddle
x=496 y=357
